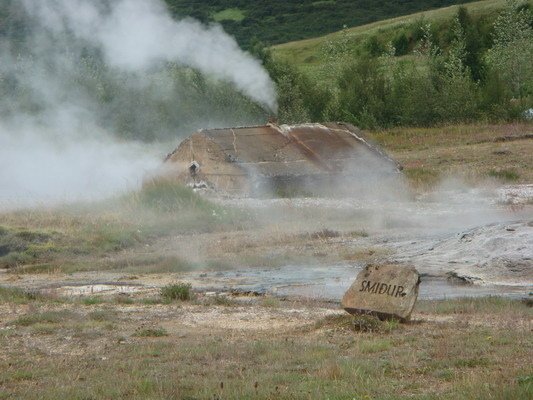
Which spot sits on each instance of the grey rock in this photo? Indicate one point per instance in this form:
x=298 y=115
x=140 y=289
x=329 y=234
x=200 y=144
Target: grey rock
x=387 y=291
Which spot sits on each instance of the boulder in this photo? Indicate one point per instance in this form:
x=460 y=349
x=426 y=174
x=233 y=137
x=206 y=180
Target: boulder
x=387 y=291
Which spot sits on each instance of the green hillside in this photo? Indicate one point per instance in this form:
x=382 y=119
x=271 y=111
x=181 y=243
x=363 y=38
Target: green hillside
x=280 y=21
x=456 y=64
x=317 y=54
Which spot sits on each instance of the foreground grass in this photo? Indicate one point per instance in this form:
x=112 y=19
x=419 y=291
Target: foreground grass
x=461 y=349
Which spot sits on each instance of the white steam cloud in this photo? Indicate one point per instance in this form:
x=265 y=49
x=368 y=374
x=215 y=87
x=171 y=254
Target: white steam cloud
x=42 y=169
x=58 y=141
x=137 y=34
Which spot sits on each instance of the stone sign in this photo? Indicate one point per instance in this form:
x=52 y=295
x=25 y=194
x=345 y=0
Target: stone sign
x=387 y=291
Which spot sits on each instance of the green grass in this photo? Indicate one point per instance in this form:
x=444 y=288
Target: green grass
x=177 y=291
x=16 y=295
x=74 y=237
x=92 y=300
x=169 y=197
x=151 y=332
x=422 y=176
x=311 y=55
x=23 y=245
x=229 y=14
x=374 y=345
x=48 y=317
x=505 y=175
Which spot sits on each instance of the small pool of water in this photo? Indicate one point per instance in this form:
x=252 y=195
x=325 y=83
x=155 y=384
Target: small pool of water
x=330 y=283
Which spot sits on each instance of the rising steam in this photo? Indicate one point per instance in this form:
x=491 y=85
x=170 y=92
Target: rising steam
x=70 y=126
x=138 y=34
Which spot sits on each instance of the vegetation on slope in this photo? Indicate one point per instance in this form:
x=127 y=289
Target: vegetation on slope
x=453 y=65
x=457 y=66
x=166 y=101
x=279 y=21
x=316 y=55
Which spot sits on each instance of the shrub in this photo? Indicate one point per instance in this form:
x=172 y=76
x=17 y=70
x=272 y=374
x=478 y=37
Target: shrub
x=177 y=291
x=401 y=45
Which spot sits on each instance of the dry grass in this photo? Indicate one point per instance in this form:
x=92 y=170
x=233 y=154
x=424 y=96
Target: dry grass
x=453 y=350
x=475 y=153
x=78 y=237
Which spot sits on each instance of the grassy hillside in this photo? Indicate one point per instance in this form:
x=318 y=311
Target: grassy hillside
x=279 y=21
x=316 y=54
x=456 y=64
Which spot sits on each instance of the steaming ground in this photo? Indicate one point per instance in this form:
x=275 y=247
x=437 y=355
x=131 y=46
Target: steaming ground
x=473 y=236
x=465 y=242
x=38 y=171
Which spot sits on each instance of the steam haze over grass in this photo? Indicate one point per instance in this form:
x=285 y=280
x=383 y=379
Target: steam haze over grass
x=92 y=92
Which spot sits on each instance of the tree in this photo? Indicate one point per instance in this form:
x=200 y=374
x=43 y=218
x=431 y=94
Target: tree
x=474 y=45
x=457 y=91
x=363 y=92
x=512 y=52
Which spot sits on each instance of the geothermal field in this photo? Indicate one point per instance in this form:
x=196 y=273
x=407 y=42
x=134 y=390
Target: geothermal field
x=201 y=295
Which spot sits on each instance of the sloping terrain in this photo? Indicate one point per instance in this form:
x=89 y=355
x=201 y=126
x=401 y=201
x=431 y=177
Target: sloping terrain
x=279 y=21
x=313 y=54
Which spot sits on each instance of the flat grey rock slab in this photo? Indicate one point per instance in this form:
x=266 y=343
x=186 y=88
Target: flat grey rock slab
x=387 y=291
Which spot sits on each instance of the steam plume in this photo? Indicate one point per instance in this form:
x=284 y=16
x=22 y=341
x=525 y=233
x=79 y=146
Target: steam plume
x=137 y=34
x=60 y=142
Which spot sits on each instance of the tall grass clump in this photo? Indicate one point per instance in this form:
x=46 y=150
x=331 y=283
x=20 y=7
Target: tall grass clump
x=16 y=295
x=164 y=207
x=177 y=291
